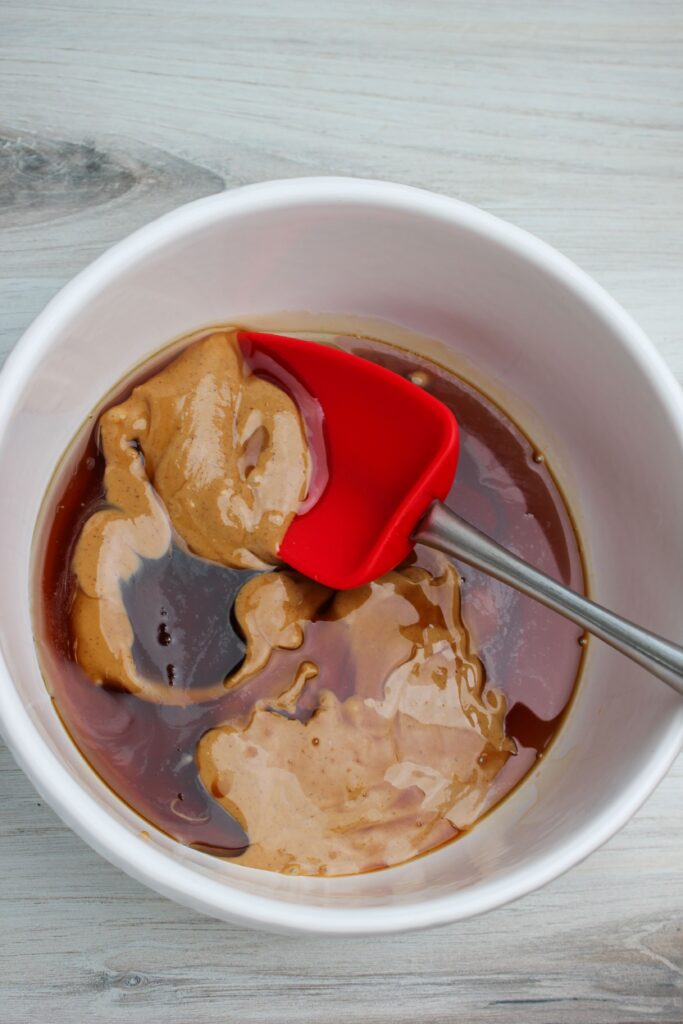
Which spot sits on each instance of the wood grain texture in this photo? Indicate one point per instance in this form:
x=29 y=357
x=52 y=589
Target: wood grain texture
x=566 y=119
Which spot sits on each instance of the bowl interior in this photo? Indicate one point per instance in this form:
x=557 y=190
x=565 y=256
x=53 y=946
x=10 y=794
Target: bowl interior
x=513 y=317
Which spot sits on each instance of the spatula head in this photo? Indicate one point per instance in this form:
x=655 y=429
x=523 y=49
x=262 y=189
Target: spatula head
x=391 y=450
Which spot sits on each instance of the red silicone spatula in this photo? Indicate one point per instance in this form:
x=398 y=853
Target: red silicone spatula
x=392 y=451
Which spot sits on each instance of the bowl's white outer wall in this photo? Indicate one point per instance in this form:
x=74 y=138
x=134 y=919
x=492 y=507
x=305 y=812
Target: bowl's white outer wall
x=524 y=319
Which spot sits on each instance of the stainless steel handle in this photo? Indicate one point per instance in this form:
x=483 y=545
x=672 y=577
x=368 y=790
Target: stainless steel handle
x=446 y=531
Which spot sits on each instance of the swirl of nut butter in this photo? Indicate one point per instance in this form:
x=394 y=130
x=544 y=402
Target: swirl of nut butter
x=399 y=767
x=218 y=456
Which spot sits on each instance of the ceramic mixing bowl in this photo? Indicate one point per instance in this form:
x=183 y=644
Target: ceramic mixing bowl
x=511 y=315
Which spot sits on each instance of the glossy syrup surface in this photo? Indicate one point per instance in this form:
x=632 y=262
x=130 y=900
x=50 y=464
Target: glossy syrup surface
x=146 y=752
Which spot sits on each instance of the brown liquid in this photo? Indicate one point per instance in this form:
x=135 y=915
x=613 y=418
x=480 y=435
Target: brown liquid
x=146 y=752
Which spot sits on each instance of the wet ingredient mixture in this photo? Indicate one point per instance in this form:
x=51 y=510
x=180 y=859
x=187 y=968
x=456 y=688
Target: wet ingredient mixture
x=250 y=712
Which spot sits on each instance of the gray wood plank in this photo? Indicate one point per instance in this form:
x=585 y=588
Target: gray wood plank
x=566 y=120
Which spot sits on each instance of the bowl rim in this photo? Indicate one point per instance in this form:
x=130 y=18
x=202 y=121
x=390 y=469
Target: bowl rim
x=162 y=871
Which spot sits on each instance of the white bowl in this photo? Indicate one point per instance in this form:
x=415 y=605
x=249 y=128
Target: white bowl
x=524 y=323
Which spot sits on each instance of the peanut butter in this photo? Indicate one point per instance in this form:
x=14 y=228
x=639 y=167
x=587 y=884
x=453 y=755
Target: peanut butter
x=399 y=767
x=208 y=452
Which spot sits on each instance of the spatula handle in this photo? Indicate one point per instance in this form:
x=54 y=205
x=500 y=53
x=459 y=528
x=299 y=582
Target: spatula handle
x=446 y=531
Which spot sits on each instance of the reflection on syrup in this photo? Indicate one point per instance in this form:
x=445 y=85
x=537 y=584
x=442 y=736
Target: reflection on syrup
x=180 y=607
x=146 y=752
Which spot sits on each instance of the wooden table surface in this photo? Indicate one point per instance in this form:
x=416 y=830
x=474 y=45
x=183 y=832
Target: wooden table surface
x=566 y=119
